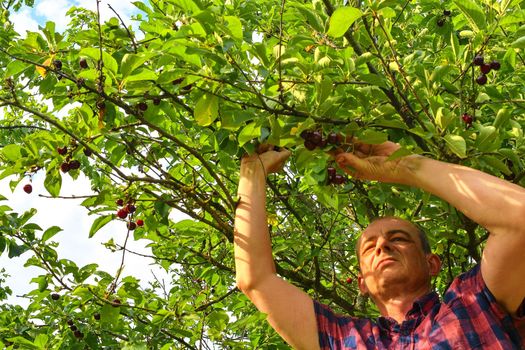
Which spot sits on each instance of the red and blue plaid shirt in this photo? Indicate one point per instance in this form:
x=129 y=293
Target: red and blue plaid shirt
x=468 y=318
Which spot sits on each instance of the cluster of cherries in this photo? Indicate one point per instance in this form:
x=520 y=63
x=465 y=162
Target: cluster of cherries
x=76 y=332
x=126 y=210
x=70 y=164
x=314 y=139
x=441 y=21
x=485 y=68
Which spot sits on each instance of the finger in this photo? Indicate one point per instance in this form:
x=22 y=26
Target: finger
x=261 y=148
x=349 y=163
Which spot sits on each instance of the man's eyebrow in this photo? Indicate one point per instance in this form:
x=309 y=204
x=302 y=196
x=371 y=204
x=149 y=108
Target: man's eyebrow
x=398 y=230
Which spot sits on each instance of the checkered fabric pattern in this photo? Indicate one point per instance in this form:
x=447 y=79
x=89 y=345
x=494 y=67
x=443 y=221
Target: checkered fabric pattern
x=467 y=318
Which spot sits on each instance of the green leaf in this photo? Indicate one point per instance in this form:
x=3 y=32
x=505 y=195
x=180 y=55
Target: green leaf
x=206 y=109
x=234 y=25
x=50 y=232
x=496 y=163
x=473 y=13
x=14 y=68
x=457 y=145
x=130 y=62
x=485 y=138
x=16 y=250
x=53 y=182
x=372 y=137
x=248 y=133
x=519 y=43
x=23 y=341
x=12 y=152
x=109 y=62
x=109 y=314
x=502 y=118
x=98 y=223
x=342 y=19
x=41 y=340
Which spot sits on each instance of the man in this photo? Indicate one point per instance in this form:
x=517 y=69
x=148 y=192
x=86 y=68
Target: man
x=483 y=308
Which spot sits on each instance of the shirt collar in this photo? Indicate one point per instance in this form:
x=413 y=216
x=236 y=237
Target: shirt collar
x=420 y=308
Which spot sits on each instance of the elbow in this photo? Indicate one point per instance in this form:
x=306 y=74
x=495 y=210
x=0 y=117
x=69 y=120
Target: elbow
x=248 y=286
x=245 y=285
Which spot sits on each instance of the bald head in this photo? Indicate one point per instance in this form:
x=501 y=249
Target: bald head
x=423 y=238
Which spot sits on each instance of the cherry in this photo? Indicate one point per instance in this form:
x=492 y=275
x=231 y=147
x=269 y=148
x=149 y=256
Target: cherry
x=339 y=179
x=441 y=22
x=309 y=145
x=142 y=106
x=119 y=202
x=140 y=222
x=334 y=138
x=55 y=296
x=130 y=208
x=132 y=225
x=116 y=303
x=495 y=65
x=64 y=167
x=83 y=63
x=316 y=137
x=101 y=105
x=70 y=322
x=28 y=188
x=156 y=101
x=485 y=68
x=122 y=213
x=78 y=334
x=467 y=119
x=73 y=327
x=447 y=12
x=177 y=81
x=482 y=79
x=57 y=64
x=96 y=316
x=74 y=164
x=349 y=280
x=478 y=60
x=62 y=150
x=331 y=173
x=305 y=134
x=88 y=152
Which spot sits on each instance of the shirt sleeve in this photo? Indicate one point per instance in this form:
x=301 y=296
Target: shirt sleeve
x=471 y=288
x=340 y=332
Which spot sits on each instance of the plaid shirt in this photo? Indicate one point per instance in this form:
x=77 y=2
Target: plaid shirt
x=468 y=318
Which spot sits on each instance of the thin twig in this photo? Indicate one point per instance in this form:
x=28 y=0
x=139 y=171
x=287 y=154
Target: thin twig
x=127 y=30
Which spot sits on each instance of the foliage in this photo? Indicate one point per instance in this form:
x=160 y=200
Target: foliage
x=160 y=118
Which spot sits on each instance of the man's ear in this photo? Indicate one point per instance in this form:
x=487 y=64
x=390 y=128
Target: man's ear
x=362 y=285
x=434 y=264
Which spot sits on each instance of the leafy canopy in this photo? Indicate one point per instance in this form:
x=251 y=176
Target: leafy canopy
x=159 y=118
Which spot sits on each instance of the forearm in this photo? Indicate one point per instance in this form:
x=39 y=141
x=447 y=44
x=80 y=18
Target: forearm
x=252 y=245
x=495 y=204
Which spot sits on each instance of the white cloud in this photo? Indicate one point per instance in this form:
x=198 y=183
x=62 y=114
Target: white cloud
x=23 y=21
x=55 y=11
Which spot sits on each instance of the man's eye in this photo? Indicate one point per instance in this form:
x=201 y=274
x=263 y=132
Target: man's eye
x=398 y=239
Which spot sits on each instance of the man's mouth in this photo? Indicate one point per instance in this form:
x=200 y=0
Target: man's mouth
x=385 y=261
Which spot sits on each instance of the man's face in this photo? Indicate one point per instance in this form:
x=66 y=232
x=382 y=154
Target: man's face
x=391 y=255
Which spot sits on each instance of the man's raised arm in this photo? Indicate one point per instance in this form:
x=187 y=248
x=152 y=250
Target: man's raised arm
x=495 y=204
x=290 y=310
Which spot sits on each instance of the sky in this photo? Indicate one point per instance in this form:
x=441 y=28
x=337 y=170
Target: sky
x=67 y=213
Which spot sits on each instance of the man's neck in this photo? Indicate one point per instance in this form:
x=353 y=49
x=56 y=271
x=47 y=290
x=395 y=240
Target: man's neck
x=397 y=304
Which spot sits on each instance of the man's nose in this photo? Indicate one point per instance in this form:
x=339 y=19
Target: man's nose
x=382 y=245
